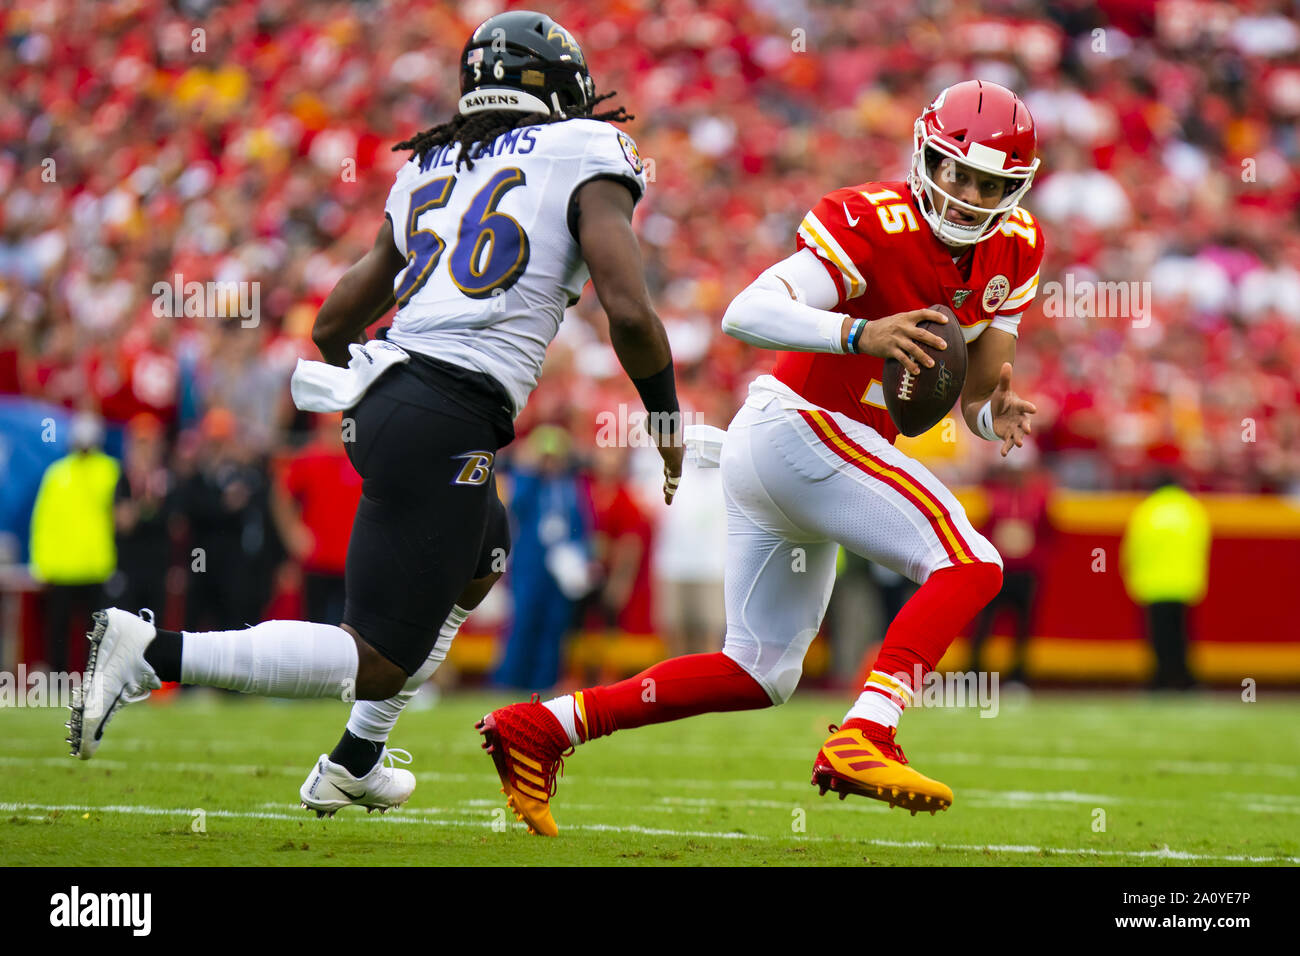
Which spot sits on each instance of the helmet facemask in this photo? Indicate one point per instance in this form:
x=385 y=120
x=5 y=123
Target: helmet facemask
x=935 y=202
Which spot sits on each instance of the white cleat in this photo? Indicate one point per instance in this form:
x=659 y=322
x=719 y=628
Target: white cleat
x=329 y=787
x=116 y=674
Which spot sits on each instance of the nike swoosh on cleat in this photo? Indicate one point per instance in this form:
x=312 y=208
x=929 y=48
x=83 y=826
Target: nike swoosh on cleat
x=99 y=731
x=353 y=796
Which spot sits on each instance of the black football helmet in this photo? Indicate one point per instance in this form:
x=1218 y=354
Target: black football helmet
x=526 y=62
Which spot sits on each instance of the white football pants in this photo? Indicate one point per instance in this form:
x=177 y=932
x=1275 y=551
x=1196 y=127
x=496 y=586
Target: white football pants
x=799 y=481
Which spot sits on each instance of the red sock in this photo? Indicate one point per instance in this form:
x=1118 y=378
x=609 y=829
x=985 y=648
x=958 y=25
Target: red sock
x=929 y=622
x=673 y=689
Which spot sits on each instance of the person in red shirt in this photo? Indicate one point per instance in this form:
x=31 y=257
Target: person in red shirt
x=62 y=373
x=14 y=347
x=313 y=504
x=622 y=540
x=808 y=463
x=141 y=377
x=1019 y=528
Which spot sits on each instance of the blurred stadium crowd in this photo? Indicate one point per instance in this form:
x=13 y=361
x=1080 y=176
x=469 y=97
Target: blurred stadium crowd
x=142 y=140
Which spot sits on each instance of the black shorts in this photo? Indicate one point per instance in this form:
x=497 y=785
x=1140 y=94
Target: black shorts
x=424 y=440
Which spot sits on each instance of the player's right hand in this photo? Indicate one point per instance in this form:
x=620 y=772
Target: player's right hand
x=899 y=336
x=672 y=453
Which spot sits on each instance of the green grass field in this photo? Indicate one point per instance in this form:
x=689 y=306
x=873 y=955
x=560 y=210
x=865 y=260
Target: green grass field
x=1182 y=781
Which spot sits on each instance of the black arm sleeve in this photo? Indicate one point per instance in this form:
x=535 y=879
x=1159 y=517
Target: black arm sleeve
x=659 y=396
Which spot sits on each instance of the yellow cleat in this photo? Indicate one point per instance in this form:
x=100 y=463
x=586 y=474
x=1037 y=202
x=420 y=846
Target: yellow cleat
x=527 y=747
x=862 y=758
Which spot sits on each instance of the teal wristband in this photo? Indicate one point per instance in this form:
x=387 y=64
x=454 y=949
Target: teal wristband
x=855 y=332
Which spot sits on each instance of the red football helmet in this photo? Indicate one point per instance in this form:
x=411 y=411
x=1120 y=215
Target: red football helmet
x=982 y=127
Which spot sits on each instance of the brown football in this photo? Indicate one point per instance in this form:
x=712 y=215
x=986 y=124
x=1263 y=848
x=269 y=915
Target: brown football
x=917 y=403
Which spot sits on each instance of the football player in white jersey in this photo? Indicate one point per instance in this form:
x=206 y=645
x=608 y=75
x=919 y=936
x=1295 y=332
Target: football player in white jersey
x=492 y=229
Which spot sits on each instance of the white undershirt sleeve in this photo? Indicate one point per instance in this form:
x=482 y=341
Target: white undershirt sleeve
x=1007 y=323
x=787 y=308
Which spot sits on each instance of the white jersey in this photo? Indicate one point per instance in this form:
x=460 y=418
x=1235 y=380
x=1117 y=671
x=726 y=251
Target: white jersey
x=492 y=257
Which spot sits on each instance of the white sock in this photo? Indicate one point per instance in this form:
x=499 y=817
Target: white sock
x=273 y=659
x=375 y=719
x=882 y=708
x=875 y=707
x=562 y=708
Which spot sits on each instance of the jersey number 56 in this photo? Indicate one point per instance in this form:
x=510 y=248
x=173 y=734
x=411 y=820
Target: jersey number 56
x=491 y=250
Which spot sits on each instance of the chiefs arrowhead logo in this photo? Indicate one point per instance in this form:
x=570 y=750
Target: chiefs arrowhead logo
x=959 y=297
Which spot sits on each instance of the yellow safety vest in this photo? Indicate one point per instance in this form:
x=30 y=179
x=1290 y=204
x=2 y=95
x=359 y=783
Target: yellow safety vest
x=1165 y=553
x=72 y=522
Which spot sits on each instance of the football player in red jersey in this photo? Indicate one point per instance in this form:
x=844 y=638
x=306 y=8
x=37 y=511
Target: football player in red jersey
x=808 y=463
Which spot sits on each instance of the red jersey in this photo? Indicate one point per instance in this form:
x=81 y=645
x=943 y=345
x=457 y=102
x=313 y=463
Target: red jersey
x=328 y=489
x=617 y=515
x=885 y=259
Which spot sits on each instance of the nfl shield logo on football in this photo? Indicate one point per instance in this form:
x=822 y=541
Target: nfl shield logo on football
x=996 y=292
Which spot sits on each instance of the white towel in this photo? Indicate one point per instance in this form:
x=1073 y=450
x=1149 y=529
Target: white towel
x=704 y=445
x=321 y=387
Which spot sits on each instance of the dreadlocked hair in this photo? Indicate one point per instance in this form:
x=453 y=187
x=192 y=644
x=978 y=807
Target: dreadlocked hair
x=478 y=128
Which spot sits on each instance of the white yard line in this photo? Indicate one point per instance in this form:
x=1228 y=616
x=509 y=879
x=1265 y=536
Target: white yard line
x=1043 y=762
x=1040 y=762
x=1060 y=796
x=445 y=820
x=706 y=803
x=488 y=805
x=1088 y=765
x=1270 y=808
x=972 y=797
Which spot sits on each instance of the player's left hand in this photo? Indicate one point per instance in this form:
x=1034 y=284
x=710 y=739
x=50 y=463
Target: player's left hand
x=1010 y=413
